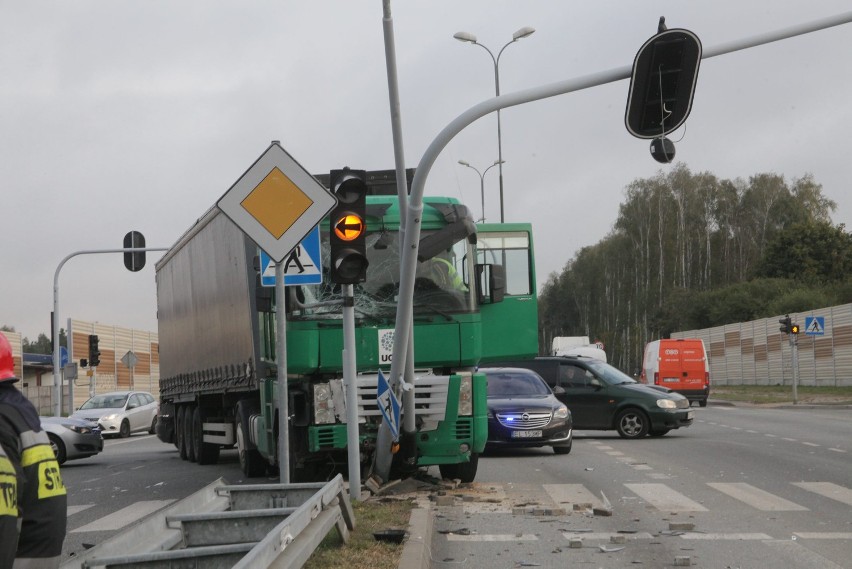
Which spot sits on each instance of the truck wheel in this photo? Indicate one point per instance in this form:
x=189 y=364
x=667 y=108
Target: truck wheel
x=180 y=443
x=205 y=453
x=702 y=403
x=187 y=432
x=632 y=424
x=251 y=462
x=464 y=471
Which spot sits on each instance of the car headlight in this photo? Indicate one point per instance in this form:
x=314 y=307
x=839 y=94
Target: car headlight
x=83 y=430
x=666 y=404
x=110 y=417
x=561 y=412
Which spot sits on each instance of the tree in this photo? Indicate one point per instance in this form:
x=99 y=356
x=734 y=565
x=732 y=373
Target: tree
x=813 y=252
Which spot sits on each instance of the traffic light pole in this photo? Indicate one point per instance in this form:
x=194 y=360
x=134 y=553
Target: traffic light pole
x=794 y=346
x=57 y=377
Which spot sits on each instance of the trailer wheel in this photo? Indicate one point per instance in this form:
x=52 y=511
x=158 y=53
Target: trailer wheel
x=179 y=439
x=251 y=462
x=187 y=432
x=205 y=453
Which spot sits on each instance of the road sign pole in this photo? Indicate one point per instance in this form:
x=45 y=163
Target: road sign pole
x=794 y=344
x=281 y=361
x=350 y=382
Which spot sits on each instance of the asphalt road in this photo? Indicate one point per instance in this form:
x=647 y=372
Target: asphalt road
x=760 y=488
x=130 y=479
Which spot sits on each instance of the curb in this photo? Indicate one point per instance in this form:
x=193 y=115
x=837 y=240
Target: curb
x=416 y=553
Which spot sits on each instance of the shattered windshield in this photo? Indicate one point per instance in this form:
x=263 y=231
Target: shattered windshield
x=441 y=285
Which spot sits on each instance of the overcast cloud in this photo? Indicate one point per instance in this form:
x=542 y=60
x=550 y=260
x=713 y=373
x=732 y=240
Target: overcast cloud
x=139 y=115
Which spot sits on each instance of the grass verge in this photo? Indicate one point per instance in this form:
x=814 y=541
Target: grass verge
x=364 y=551
x=768 y=394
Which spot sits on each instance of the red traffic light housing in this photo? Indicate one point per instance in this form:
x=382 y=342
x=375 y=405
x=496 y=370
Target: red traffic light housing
x=665 y=71
x=348 y=227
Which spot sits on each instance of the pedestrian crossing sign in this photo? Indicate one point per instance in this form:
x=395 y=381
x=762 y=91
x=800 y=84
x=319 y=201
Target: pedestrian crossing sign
x=388 y=405
x=301 y=267
x=815 y=325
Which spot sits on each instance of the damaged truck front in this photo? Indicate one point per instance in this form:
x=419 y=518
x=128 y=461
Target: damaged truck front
x=217 y=342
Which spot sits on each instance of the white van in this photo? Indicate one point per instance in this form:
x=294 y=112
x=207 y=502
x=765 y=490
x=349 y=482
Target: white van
x=681 y=365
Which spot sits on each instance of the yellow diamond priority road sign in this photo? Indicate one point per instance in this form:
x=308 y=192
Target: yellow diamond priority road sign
x=277 y=202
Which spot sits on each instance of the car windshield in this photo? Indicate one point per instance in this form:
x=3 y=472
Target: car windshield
x=513 y=384
x=107 y=401
x=609 y=374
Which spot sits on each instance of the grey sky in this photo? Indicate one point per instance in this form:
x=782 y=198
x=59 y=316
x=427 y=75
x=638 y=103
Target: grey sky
x=120 y=115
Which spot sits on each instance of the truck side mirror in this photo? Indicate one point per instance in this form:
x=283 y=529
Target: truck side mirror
x=490 y=283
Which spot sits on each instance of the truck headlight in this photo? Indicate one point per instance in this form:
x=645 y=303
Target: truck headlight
x=666 y=404
x=323 y=404
x=466 y=396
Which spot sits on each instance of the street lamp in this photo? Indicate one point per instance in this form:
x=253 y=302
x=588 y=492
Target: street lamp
x=482 y=184
x=470 y=38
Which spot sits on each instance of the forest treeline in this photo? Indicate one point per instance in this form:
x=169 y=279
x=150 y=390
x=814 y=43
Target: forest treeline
x=693 y=251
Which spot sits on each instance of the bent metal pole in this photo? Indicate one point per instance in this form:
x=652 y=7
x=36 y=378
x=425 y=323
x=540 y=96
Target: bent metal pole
x=412 y=233
x=57 y=378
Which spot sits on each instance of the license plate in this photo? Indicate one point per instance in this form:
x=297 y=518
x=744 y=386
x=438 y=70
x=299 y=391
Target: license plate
x=670 y=380
x=689 y=415
x=526 y=434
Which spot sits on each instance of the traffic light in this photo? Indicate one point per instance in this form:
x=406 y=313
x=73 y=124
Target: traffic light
x=663 y=82
x=794 y=328
x=134 y=261
x=787 y=325
x=94 y=353
x=348 y=263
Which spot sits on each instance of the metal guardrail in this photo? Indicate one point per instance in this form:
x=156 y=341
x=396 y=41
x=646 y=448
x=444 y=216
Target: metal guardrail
x=224 y=526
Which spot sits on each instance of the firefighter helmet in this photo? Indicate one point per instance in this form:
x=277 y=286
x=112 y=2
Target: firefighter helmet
x=7 y=364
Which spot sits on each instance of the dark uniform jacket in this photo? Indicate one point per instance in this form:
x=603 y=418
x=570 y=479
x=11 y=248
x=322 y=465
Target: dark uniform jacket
x=41 y=498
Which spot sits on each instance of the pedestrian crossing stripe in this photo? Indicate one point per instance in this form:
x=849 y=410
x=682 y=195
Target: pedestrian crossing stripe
x=303 y=266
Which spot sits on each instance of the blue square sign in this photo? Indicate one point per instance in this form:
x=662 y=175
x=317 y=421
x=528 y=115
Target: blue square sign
x=301 y=267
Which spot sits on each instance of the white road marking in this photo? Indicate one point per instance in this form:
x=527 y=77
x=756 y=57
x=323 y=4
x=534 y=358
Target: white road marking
x=604 y=535
x=823 y=535
x=572 y=493
x=725 y=536
x=829 y=490
x=124 y=516
x=492 y=537
x=76 y=509
x=755 y=497
x=664 y=498
x=837 y=449
x=800 y=556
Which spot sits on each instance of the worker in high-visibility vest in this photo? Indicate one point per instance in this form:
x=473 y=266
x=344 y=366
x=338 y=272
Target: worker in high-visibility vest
x=35 y=492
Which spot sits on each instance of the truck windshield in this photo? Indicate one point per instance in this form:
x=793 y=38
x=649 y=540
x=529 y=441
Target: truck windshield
x=441 y=285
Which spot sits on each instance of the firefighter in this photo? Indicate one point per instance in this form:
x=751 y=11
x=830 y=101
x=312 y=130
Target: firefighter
x=37 y=489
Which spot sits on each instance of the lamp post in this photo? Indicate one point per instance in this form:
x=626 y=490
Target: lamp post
x=470 y=38
x=482 y=184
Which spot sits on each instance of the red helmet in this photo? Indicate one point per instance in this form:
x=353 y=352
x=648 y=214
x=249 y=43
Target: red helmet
x=7 y=364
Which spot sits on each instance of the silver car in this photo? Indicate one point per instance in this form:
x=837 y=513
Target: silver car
x=121 y=412
x=72 y=438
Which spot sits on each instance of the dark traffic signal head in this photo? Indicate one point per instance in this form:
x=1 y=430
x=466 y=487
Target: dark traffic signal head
x=664 y=74
x=348 y=228
x=94 y=353
x=787 y=325
x=134 y=261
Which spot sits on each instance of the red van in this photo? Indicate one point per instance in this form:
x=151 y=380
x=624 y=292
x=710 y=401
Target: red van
x=681 y=365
